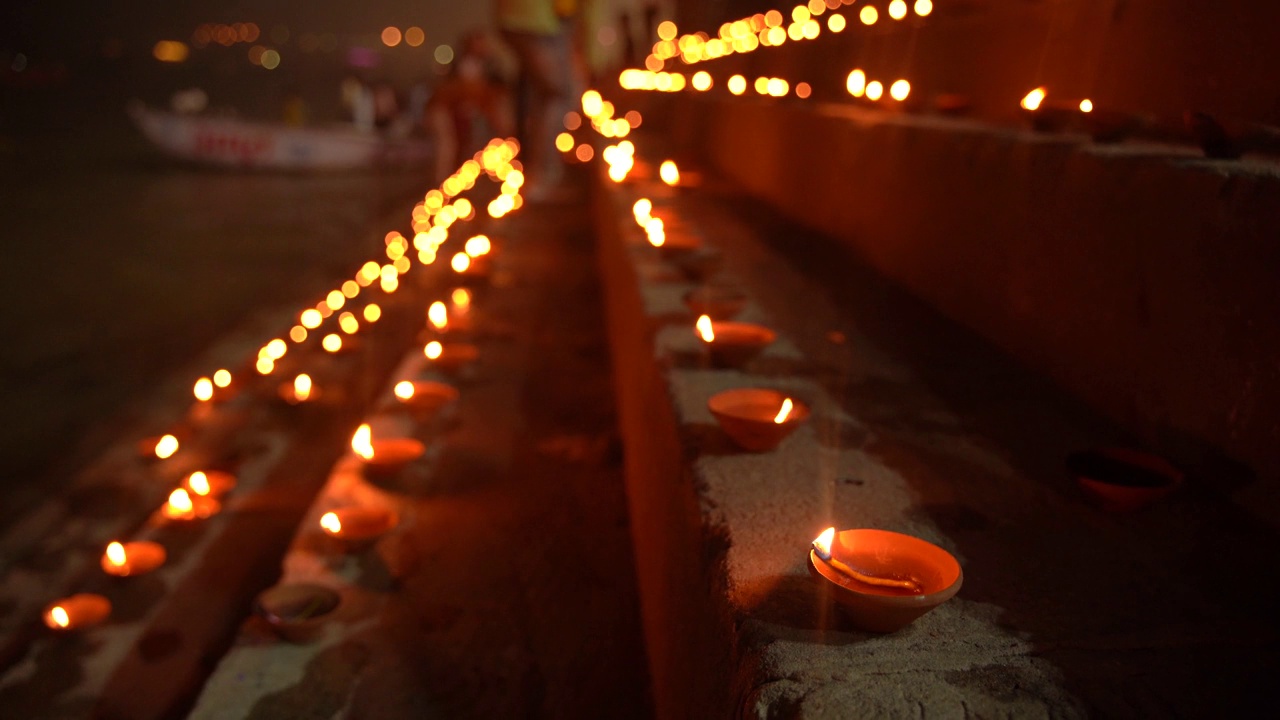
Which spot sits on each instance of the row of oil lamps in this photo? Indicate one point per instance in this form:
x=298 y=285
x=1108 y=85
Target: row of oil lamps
x=882 y=580
x=200 y=493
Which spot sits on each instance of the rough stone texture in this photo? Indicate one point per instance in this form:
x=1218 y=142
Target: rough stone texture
x=1136 y=276
x=921 y=428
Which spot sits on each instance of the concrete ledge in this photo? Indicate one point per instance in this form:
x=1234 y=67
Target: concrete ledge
x=1066 y=611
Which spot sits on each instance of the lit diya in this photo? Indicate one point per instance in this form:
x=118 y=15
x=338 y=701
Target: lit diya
x=884 y=580
x=384 y=457
x=300 y=390
x=757 y=419
x=132 y=558
x=161 y=447
x=733 y=344
x=297 y=611
x=182 y=505
x=78 y=612
x=425 y=399
x=718 y=302
x=358 y=527
x=1122 y=479
x=213 y=483
x=451 y=357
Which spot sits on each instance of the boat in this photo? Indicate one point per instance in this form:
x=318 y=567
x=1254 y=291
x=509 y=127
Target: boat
x=231 y=142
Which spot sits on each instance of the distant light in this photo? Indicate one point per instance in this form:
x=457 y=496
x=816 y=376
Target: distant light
x=899 y=90
x=874 y=90
x=857 y=83
x=762 y=85
x=572 y=121
x=898 y=9
x=331 y=343
x=372 y=312
x=270 y=59
x=633 y=118
x=255 y=54
x=702 y=81
x=584 y=152
x=1086 y=105
x=923 y=7
x=222 y=378
x=802 y=89
x=564 y=142
x=414 y=37
x=667 y=30
x=170 y=51
x=1033 y=99
x=607 y=36
x=444 y=54
x=737 y=84
x=391 y=36
x=868 y=15
x=836 y=23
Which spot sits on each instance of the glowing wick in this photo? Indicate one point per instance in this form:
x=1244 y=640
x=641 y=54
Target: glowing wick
x=362 y=442
x=330 y=522
x=433 y=350
x=781 y=417
x=822 y=548
x=1033 y=99
x=438 y=316
x=115 y=554
x=704 y=328
x=302 y=387
x=59 y=616
x=460 y=262
x=404 y=390
x=199 y=483
x=166 y=447
x=204 y=389
x=669 y=173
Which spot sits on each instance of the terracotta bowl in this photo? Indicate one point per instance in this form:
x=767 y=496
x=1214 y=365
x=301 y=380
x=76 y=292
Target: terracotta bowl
x=285 y=392
x=720 y=302
x=698 y=265
x=1122 y=479
x=361 y=527
x=84 y=610
x=738 y=343
x=391 y=456
x=429 y=398
x=297 y=611
x=888 y=554
x=747 y=416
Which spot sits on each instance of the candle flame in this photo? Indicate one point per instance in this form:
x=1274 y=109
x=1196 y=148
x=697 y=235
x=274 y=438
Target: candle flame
x=782 y=415
x=362 y=442
x=222 y=378
x=669 y=173
x=166 y=447
x=115 y=554
x=329 y=521
x=477 y=246
x=1086 y=105
x=433 y=350
x=1033 y=99
x=822 y=543
x=180 y=501
x=302 y=387
x=59 y=616
x=204 y=389
x=199 y=483
x=460 y=262
x=705 y=329
x=438 y=316
x=404 y=390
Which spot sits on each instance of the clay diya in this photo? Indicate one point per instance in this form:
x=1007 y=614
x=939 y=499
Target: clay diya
x=884 y=580
x=297 y=611
x=213 y=483
x=718 y=302
x=757 y=419
x=184 y=506
x=299 y=390
x=159 y=447
x=385 y=457
x=78 y=612
x=733 y=344
x=356 y=528
x=450 y=357
x=425 y=399
x=1121 y=479
x=132 y=558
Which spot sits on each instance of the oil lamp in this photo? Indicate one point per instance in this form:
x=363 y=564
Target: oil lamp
x=210 y=484
x=757 y=419
x=384 y=457
x=132 y=558
x=77 y=612
x=183 y=506
x=356 y=528
x=297 y=611
x=733 y=344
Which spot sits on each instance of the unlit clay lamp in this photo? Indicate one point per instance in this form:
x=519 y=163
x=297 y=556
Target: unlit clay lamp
x=733 y=344
x=385 y=457
x=1120 y=479
x=78 y=612
x=297 y=611
x=718 y=302
x=450 y=358
x=757 y=419
x=425 y=399
x=884 y=580
x=132 y=558
x=358 y=527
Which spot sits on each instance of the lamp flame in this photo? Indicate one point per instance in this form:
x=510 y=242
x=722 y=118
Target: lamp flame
x=705 y=330
x=199 y=483
x=478 y=245
x=433 y=350
x=1033 y=99
x=783 y=413
x=669 y=173
x=460 y=262
x=641 y=210
x=180 y=502
x=302 y=387
x=461 y=298
x=222 y=378
x=822 y=543
x=59 y=616
x=204 y=389
x=115 y=554
x=166 y=447
x=404 y=390
x=438 y=316
x=1086 y=105
x=330 y=522
x=362 y=442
